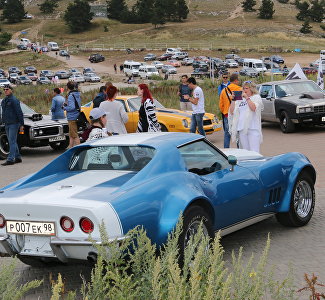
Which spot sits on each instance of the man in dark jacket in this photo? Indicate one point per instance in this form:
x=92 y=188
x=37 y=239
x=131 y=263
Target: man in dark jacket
x=13 y=118
x=101 y=96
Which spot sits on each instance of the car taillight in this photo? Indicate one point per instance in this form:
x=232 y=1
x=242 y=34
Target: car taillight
x=86 y=225
x=2 y=221
x=67 y=224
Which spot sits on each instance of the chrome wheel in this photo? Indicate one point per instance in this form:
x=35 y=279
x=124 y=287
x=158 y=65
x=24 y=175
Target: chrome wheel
x=4 y=145
x=302 y=199
x=192 y=230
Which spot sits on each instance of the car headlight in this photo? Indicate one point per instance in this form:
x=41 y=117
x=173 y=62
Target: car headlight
x=40 y=132
x=185 y=123
x=215 y=119
x=305 y=110
x=35 y=133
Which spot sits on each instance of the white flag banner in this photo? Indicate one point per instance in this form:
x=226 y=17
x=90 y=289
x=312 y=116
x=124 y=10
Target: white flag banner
x=320 y=75
x=296 y=73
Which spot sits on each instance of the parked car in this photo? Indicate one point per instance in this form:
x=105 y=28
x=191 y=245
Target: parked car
x=200 y=73
x=292 y=102
x=74 y=71
x=91 y=77
x=165 y=56
x=248 y=72
x=232 y=56
x=21 y=47
x=13 y=77
x=157 y=64
x=110 y=181
x=188 y=61
x=274 y=71
x=28 y=16
x=4 y=82
x=14 y=70
x=39 y=131
x=88 y=70
x=23 y=80
x=32 y=76
x=44 y=49
x=200 y=64
x=77 y=78
x=43 y=80
x=310 y=70
x=62 y=74
x=277 y=58
x=180 y=55
x=231 y=63
x=150 y=56
x=169 y=119
x=168 y=68
x=2 y=72
x=218 y=63
x=95 y=58
x=64 y=53
x=270 y=65
x=173 y=62
x=47 y=73
x=30 y=69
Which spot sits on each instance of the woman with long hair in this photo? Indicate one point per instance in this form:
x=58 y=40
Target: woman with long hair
x=147 y=116
x=245 y=118
x=115 y=112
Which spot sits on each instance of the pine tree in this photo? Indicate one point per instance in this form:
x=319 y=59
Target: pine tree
x=158 y=15
x=306 y=27
x=143 y=9
x=115 y=9
x=248 y=5
x=169 y=10
x=13 y=11
x=48 y=6
x=78 y=16
x=303 y=8
x=266 y=10
x=317 y=10
x=181 y=10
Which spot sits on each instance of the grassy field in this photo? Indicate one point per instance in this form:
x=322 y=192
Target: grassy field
x=216 y=24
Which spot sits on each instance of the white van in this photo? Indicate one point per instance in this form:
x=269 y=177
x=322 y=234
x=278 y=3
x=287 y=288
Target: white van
x=53 y=46
x=131 y=68
x=147 y=71
x=322 y=55
x=25 y=41
x=256 y=64
x=173 y=50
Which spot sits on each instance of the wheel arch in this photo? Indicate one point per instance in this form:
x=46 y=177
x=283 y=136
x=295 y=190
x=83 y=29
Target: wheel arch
x=203 y=203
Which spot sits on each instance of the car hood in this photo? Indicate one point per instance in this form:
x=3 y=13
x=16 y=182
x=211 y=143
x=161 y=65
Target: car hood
x=176 y=113
x=59 y=188
x=304 y=101
x=46 y=121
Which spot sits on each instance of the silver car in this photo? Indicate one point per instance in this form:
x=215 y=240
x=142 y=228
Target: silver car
x=169 y=69
x=91 y=77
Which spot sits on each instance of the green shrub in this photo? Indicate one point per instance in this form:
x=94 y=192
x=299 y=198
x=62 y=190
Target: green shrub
x=9 y=286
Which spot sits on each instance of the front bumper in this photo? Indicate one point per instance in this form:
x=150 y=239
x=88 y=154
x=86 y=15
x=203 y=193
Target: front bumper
x=318 y=119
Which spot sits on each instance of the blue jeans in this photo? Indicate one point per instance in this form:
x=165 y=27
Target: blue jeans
x=12 y=131
x=197 y=121
x=226 y=138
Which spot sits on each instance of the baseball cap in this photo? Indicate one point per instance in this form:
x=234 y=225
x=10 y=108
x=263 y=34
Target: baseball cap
x=96 y=113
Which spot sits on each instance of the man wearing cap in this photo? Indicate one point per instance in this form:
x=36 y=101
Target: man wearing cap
x=13 y=118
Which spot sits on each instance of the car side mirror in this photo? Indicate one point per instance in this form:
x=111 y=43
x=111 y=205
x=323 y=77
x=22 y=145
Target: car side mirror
x=269 y=98
x=232 y=160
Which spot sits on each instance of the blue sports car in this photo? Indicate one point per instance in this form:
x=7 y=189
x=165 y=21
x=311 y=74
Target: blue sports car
x=148 y=179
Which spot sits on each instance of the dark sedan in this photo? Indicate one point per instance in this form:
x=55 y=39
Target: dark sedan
x=23 y=80
x=62 y=74
x=165 y=56
x=277 y=58
x=14 y=70
x=248 y=72
x=43 y=80
x=30 y=69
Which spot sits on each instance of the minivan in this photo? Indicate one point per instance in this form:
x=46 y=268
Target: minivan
x=147 y=71
x=256 y=64
x=24 y=41
x=53 y=46
x=131 y=68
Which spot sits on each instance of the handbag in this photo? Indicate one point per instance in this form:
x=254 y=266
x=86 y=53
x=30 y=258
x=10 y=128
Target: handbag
x=82 y=122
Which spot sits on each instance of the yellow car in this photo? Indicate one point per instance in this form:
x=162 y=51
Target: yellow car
x=169 y=119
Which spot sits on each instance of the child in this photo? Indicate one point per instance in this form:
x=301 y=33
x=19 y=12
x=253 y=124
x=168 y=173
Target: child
x=97 y=130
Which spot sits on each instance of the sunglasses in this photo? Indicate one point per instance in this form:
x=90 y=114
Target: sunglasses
x=6 y=89
x=225 y=77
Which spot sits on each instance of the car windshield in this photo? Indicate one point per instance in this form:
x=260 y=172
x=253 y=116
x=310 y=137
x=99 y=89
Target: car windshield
x=151 y=70
x=135 y=103
x=296 y=88
x=136 y=67
x=3 y=80
x=124 y=158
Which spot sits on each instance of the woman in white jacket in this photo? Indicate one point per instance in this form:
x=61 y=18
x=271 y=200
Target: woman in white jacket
x=245 y=118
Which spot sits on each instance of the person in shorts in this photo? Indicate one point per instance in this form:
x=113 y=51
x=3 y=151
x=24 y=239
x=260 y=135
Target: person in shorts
x=72 y=107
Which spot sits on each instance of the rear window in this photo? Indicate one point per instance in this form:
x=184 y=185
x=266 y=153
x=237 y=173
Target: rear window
x=126 y=158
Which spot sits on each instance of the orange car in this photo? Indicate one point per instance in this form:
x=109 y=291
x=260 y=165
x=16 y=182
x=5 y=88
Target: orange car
x=174 y=63
x=169 y=119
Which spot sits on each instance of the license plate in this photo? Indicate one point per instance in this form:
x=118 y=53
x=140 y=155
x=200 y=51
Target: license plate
x=31 y=228
x=57 y=138
x=323 y=119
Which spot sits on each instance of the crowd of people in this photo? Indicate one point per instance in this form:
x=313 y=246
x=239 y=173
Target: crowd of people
x=240 y=107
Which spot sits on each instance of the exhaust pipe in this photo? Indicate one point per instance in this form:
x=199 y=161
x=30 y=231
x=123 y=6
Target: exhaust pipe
x=92 y=257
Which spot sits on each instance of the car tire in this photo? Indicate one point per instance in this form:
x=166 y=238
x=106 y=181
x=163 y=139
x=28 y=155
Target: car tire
x=4 y=146
x=62 y=145
x=192 y=219
x=163 y=128
x=302 y=203
x=287 y=126
x=38 y=262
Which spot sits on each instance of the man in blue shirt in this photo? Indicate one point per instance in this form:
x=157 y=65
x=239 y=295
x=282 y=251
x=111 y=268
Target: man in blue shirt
x=100 y=97
x=225 y=82
x=13 y=118
x=184 y=90
x=57 y=105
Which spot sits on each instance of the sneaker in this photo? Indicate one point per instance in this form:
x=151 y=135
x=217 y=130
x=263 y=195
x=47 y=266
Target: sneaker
x=8 y=163
x=18 y=160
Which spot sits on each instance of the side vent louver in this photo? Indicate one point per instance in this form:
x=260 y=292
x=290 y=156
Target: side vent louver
x=274 y=196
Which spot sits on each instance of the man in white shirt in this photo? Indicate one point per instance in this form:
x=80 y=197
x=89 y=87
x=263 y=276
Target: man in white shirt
x=197 y=101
